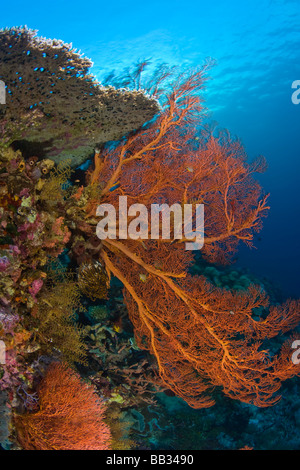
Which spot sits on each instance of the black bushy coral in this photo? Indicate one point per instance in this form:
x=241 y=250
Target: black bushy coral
x=54 y=320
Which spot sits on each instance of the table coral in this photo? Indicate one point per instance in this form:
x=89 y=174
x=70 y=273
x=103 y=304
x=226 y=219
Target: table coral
x=69 y=111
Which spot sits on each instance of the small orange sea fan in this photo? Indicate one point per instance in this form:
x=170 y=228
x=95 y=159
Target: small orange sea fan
x=70 y=415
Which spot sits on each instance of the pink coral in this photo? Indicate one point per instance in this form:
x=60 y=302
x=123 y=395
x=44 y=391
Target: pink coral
x=60 y=236
x=36 y=286
x=4 y=263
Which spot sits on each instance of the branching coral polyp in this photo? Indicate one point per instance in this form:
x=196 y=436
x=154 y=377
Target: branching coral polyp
x=202 y=337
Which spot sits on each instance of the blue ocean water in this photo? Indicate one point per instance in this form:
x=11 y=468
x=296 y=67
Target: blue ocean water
x=256 y=47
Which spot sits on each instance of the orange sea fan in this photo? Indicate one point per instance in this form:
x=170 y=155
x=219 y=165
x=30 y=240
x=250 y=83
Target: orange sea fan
x=70 y=415
x=201 y=337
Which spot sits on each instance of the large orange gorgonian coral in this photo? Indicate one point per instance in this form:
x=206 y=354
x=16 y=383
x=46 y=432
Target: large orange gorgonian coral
x=202 y=337
x=70 y=415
